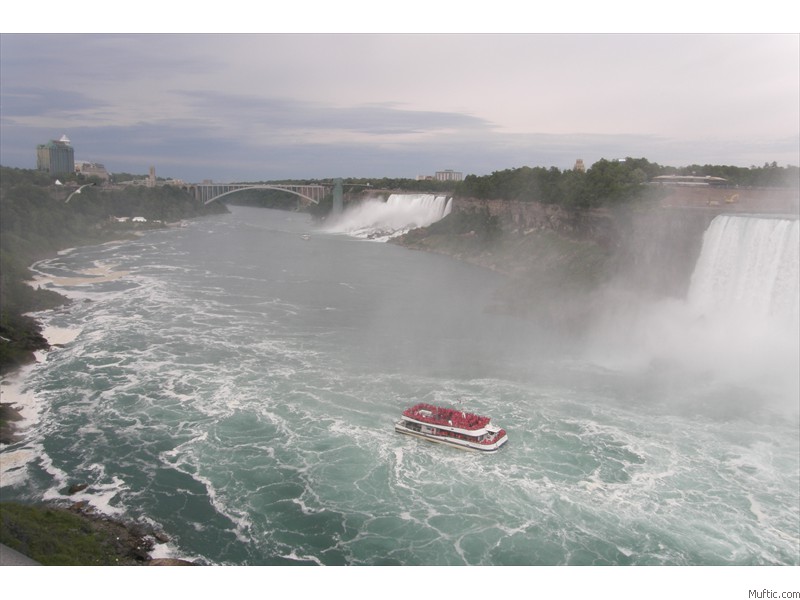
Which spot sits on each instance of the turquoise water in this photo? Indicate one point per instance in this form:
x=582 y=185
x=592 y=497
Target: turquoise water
x=237 y=388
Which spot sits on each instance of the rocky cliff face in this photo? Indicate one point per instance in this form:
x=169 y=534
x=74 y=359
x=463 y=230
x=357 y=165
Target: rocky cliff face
x=651 y=244
x=656 y=248
x=561 y=262
x=554 y=258
x=517 y=217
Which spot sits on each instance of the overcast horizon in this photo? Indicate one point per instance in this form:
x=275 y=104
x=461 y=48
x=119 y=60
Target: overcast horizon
x=248 y=107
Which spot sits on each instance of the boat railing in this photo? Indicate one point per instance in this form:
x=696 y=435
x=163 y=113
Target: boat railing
x=446 y=416
x=487 y=441
x=494 y=439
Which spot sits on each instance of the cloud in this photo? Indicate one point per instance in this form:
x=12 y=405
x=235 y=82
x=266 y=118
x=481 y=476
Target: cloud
x=254 y=106
x=275 y=115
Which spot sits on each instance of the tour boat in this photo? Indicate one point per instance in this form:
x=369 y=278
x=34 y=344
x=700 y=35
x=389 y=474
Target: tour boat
x=452 y=427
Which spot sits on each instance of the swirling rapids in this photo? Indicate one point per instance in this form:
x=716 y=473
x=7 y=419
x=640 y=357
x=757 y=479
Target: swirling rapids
x=238 y=385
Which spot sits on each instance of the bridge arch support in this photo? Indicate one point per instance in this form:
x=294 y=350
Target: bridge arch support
x=209 y=193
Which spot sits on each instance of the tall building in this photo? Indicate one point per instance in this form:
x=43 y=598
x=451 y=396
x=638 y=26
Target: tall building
x=579 y=166
x=448 y=175
x=56 y=157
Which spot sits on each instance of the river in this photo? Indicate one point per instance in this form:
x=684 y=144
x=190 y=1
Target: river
x=235 y=383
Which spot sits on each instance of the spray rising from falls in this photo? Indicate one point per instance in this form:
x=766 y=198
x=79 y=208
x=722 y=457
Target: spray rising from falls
x=376 y=219
x=738 y=325
x=745 y=301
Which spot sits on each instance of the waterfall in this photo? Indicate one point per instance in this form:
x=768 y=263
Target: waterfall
x=376 y=219
x=738 y=325
x=741 y=312
x=749 y=267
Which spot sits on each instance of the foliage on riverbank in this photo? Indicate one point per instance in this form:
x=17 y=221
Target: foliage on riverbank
x=54 y=535
x=36 y=222
x=562 y=236
x=608 y=182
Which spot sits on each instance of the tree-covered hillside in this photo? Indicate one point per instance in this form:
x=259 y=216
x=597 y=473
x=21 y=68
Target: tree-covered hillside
x=609 y=181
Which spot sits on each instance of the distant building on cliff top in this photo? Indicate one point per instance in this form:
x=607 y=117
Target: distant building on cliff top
x=448 y=175
x=57 y=157
x=90 y=169
x=690 y=180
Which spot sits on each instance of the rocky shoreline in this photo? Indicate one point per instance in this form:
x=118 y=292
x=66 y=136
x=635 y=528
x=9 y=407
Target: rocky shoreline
x=122 y=543
x=109 y=541
x=133 y=542
x=128 y=543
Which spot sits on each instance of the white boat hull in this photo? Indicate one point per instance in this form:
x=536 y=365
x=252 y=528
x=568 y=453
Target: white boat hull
x=447 y=441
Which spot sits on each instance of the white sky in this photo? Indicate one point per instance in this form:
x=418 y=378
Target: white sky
x=265 y=106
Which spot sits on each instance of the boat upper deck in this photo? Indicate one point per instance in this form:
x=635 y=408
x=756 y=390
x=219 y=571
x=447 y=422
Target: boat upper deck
x=446 y=417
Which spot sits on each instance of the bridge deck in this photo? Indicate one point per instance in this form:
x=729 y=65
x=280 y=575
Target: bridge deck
x=210 y=192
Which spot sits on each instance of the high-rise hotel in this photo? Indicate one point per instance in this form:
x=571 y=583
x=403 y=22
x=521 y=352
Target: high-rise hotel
x=56 y=157
x=448 y=175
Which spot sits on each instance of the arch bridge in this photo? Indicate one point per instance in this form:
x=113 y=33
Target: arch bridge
x=209 y=192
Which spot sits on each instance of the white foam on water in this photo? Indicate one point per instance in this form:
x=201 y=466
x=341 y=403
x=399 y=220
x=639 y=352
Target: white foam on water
x=169 y=550
x=100 y=496
x=304 y=558
x=14 y=463
x=65 y=284
x=15 y=391
x=184 y=458
x=15 y=459
x=264 y=418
